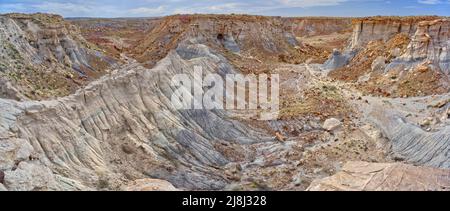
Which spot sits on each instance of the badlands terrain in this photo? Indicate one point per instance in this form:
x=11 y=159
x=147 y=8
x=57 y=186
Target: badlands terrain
x=85 y=104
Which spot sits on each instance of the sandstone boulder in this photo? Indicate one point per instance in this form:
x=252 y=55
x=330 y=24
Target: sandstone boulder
x=150 y=185
x=362 y=176
x=30 y=177
x=332 y=124
x=379 y=64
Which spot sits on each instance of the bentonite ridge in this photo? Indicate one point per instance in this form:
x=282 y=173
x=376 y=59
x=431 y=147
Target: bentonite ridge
x=411 y=142
x=121 y=123
x=86 y=104
x=34 y=46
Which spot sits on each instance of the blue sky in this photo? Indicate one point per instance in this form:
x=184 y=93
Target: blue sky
x=151 y=8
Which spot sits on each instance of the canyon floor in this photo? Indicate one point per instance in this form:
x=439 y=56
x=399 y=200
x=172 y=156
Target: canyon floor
x=86 y=104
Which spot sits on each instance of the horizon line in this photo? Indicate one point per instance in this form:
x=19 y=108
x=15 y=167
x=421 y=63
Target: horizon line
x=227 y=14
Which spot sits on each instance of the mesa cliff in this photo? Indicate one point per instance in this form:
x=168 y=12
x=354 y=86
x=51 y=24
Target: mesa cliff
x=261 y=37
x=386 y=56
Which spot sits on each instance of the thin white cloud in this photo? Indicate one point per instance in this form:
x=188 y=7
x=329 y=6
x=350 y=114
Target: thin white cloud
x=62 y=8
x=224 y=7
x=141 y=8
x=13 y=7
x=311 y=3
x=432 y=2
x=94 y=8
x=148 y=11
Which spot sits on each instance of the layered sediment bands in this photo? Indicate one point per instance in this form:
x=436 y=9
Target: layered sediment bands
x=384 y=28
x=367 y=30
x=263 y=37
x=362 y=176
x=39 y=44
x=121 y=128
x=121 y=132
x=430 y=43
x=411 y=143
x=429 y=39
x=396 y=57
x=48 y=38
x=115 y=35
x=418 y=68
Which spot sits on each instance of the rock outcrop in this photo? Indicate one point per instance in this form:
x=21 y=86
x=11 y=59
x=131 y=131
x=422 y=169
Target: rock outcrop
x=366 y=30
x=115 y=36
x=150 y=185
x=362 y=176
x=430 y=43
x=44 y=56
x=332 y=124
x=122 y=127
x=416 y=50
x=414 y=145
x=122 y=132
x=429 y=39
x=258 y=36
x=337 y=60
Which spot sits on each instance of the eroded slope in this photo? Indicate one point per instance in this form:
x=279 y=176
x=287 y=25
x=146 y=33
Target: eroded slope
x=42 y=57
